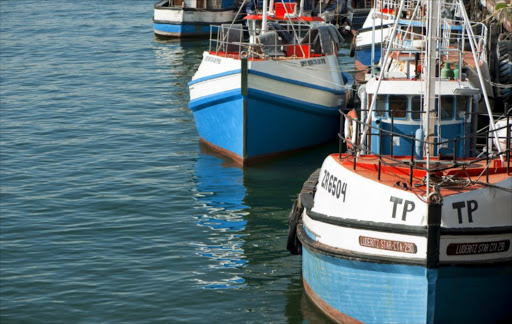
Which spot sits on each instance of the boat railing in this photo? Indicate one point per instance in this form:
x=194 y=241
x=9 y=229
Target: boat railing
x=454 y=47
x=389 y=9
x=232 y=41
x=415 y=160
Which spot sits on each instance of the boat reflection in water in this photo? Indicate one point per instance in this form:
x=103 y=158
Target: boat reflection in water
x=220 y=192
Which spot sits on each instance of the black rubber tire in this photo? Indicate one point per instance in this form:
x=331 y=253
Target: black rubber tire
x=293 y=244
x=504 y=62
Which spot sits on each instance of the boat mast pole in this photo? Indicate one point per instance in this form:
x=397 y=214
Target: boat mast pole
x=372 y=57
x=430 y=93
x=471 y=38
x=264 y=20
x=381 y=75
x=301 y=8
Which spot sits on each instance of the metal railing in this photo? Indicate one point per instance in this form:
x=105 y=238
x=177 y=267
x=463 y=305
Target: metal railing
x=234 y=41
x=413 y=162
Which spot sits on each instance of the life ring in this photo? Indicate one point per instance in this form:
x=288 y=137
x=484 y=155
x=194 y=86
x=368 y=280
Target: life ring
x=350 y=128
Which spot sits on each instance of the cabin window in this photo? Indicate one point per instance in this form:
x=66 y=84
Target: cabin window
x=446 y=107
x=416 y=107
x=461 y=106
x=380 y=105
x=398 y=106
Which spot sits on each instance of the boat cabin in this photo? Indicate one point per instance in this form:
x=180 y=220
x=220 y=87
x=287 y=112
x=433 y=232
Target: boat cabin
x=282 y=35
x=399 y=111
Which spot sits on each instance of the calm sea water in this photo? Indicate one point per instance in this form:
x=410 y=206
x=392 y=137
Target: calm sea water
x=111 y=210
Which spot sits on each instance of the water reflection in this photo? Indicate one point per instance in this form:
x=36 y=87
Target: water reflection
x=220 y=193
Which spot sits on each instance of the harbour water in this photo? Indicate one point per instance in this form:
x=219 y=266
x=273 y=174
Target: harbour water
x=111 y=210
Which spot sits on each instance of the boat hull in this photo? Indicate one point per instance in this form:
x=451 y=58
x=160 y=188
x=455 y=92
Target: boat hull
x=273 y=114
x=351 y=291
x=400 y=258
x=189 y=22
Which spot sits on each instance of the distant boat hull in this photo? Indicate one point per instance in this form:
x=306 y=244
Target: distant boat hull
x=282 y=109
x=178 y=21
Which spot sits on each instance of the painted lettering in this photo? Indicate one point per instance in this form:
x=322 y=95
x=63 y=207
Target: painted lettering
x=478 y=247
x=408 y=206
x=336 y=187
x=472 y=206
x=395 y=201
x=459 y=206
x=344 y=190
x=389 y=245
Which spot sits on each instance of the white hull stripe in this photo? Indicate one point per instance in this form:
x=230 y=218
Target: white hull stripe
x=214 y=76
x=269 y=76
x=300 y=83
x=353 y=255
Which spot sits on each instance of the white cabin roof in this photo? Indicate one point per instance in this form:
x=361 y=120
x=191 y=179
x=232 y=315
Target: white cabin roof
x=417 y=87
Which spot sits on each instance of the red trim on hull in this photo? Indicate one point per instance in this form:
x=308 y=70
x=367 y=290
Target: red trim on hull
x=235 y=157
x=327 y=309
x=254 y=159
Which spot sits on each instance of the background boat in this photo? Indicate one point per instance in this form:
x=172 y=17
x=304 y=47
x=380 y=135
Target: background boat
x=191 y=18
x=276 y=90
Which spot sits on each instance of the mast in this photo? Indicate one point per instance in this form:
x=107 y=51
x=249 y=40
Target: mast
x=430 y=93
x=264 y=21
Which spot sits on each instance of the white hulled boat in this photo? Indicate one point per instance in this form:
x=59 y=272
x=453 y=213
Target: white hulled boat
x=274 y=87
x=191 y=18
x=414 y=223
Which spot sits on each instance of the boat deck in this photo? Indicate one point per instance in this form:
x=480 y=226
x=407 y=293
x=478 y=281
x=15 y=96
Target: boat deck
x=466 y=175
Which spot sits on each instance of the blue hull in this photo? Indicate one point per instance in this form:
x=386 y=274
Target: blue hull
x=364 y=55
x=181 y=30
x=396 y=293
x=262 y=124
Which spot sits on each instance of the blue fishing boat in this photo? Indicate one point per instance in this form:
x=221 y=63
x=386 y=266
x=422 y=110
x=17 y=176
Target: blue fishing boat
x=191 y=18
x=271 y=89
x=413 y=224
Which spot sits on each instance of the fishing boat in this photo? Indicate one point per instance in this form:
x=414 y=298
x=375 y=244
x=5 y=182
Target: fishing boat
x=191 y=18
x=366 y=46
x=413 y=223
x=270 y=88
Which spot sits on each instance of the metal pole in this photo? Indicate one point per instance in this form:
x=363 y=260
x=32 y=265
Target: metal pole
x=480 y=78
x=264 y=20
x=381 y=75
x=429 y=105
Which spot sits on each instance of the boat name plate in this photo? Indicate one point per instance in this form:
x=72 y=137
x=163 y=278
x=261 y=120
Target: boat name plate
x=478 y=247
x=390 y=245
